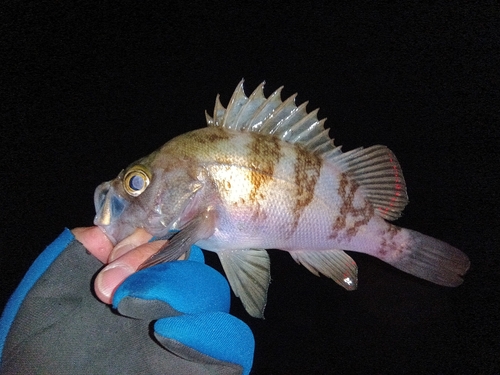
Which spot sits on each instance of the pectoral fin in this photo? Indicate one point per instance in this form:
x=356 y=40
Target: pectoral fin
x=248 y=273
x=335 y=264
x=200 y=227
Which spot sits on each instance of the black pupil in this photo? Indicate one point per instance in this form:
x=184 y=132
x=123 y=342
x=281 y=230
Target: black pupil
x=136 y=182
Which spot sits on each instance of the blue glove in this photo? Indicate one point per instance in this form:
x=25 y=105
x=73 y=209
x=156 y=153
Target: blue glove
x=168 y=319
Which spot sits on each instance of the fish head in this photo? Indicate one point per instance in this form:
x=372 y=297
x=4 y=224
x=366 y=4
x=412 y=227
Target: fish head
x=157 y=199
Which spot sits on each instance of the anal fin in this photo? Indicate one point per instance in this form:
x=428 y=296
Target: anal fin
x=248 y=273
x=335 y=264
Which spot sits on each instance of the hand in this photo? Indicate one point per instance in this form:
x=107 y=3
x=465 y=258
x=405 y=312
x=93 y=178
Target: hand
x=122 y=260
x=54 y=324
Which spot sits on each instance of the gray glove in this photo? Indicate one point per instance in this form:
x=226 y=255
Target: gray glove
x=168 y=319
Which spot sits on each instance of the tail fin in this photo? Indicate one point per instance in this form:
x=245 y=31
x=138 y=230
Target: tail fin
x=432 y=260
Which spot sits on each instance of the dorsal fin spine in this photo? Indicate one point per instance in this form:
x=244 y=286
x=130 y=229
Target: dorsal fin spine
x=271 y=115
x=254 y=101
x=301 y=128
x=219 y=111
x=318 y=143
x=209 y=119
x=265 y=110
x=236 y=104
x=279 y=117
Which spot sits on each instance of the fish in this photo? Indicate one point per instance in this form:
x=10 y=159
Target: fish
x=265 y=174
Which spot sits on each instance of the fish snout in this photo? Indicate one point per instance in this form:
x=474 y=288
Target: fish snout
x=108 y=206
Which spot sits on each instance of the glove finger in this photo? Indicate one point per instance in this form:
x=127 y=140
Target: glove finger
x=170 y=289
x=203 y=338
x=196 y=255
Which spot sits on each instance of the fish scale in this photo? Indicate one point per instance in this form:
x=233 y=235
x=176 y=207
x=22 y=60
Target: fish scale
x=265 y=174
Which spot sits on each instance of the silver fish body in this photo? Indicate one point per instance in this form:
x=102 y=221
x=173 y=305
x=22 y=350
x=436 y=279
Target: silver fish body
x=265 y=174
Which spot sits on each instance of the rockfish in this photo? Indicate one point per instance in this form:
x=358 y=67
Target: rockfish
x=264 y=174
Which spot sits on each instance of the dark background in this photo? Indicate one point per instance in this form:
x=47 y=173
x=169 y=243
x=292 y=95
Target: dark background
x=87 y=88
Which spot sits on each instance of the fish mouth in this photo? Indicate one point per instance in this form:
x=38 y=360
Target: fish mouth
x=110 y=237
x=109 y=206
x=116 y=233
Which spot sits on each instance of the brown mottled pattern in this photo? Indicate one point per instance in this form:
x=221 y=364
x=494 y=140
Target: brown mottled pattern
x=210 y=135
x=264 y=155
x=388 y=245
x=192 y=144
x=347 y=190
x=307 y=170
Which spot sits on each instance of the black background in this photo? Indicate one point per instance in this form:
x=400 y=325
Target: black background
x=88 y=87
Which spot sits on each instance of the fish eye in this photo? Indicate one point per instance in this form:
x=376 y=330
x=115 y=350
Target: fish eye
x=136 y=180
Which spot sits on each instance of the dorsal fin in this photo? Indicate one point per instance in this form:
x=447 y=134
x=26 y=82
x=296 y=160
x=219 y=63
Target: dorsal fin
x=375 y=169
x=379 y=175
x=271 y=115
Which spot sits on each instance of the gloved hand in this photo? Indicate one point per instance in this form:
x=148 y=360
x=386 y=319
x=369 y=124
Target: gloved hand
x=168 y=319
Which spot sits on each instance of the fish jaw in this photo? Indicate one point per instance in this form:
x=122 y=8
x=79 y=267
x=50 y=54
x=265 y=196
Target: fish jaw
x=109 y=206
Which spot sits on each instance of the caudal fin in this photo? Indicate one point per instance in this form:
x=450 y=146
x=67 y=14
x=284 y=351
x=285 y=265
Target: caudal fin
x=432 y=260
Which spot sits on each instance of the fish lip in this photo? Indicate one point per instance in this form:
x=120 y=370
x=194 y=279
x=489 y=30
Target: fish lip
x=116 y=231
x=107 y=234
